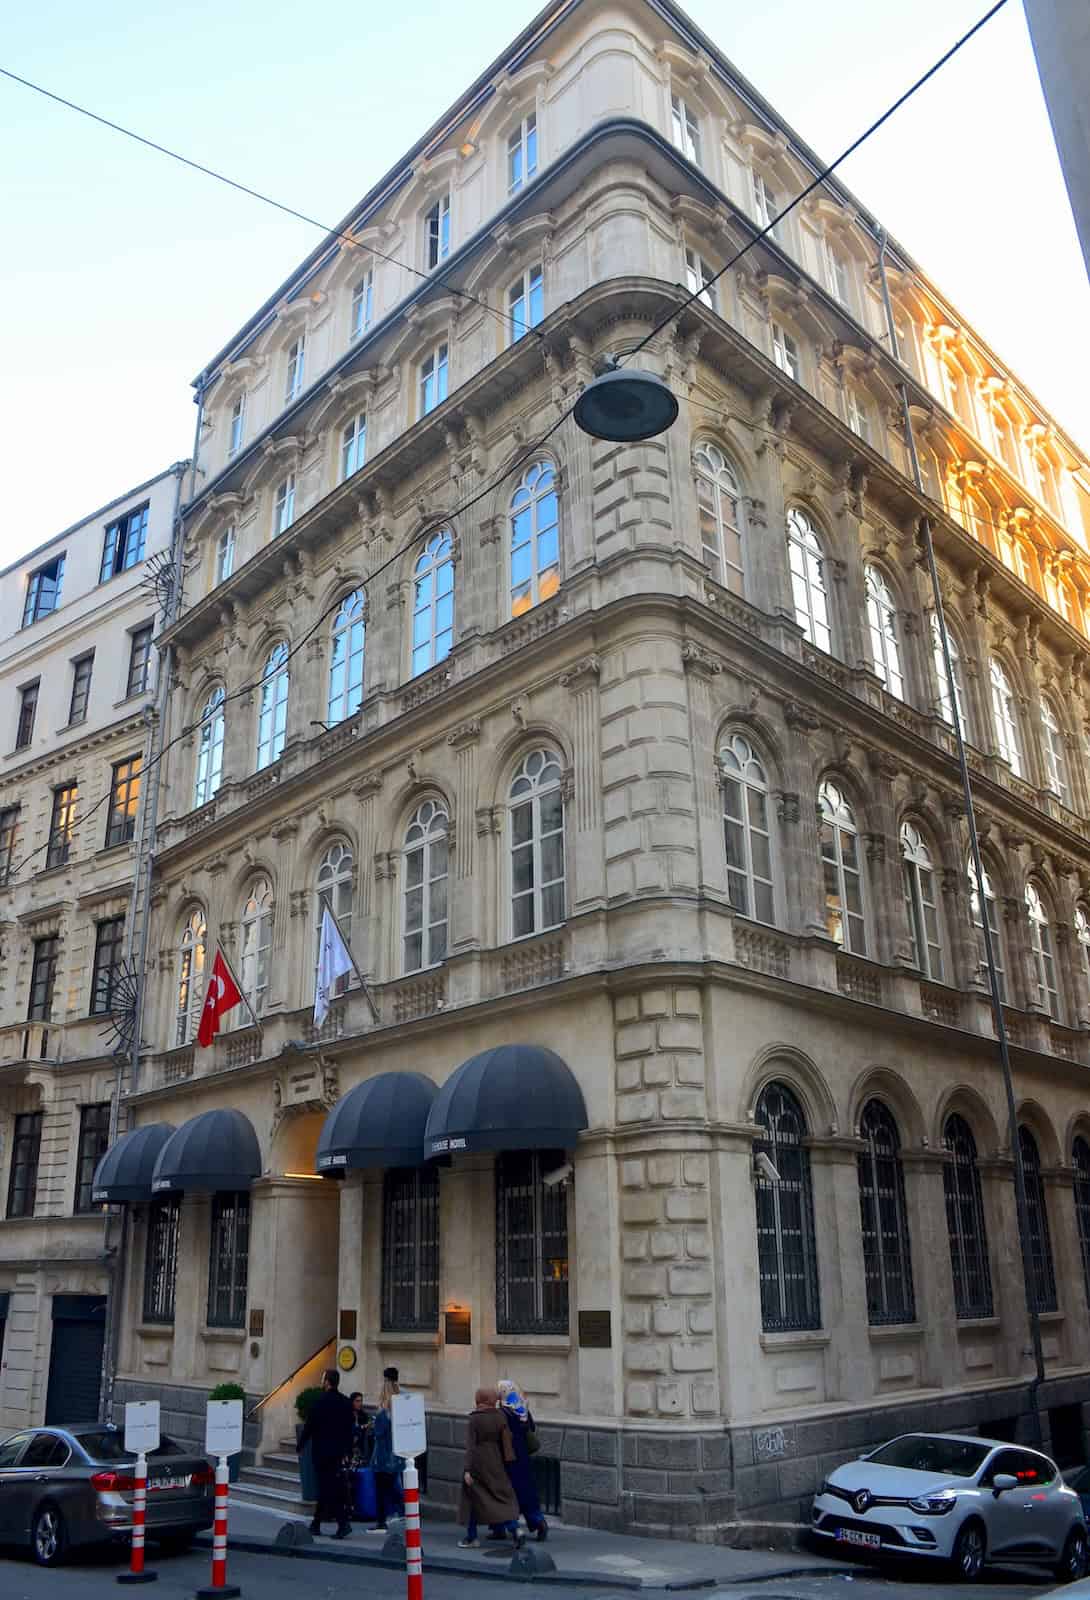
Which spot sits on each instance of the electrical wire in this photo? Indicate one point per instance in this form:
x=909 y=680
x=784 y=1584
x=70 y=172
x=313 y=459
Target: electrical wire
x=256 y=194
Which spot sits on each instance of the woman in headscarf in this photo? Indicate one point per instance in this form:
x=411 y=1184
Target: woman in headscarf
x=520 y=1423
x=487 y=1495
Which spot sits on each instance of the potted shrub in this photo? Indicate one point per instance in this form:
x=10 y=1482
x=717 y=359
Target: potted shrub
x=230 y=1391
x=307 y=1475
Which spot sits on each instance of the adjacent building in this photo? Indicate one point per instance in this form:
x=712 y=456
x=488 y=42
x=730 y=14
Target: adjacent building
x=1060 y=33
x=628 y=773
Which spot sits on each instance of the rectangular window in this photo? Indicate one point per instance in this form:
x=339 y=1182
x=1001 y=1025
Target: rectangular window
x=94 y=1139
x=353 y=446
x=81 y=688
x=433 y=380
x=28 y=710
x=437 y=232
x=109 y=941
x=229 y=1260
x=61 y=825
x=766 y=204
x=410 y=1249
x=9 y=831
x=124 y=800
x=43 y=978
x=297 y=359
x=225 y=555
x=25 y=1146
x=522 y=153
x=836 y=274
x=697 y=276
x=363 y=303
x=785 y=352
x=531 y=1244
x=686 y=129
x=123 y=545
x=284 y=505
x=526 y=302
x=238 y=425
x=161 y=1259
x=858 y=420
x=43 y=591
x=139 y=661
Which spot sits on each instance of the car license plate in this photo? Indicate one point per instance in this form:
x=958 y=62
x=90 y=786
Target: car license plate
x=869 y=1541
x=170 y=1483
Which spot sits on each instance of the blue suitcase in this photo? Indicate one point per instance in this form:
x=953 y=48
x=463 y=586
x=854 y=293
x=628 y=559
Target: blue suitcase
x=364 y=1502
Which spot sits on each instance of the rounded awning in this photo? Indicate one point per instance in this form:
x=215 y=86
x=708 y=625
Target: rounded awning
x=212 y=1151
x=514 y=1097
x=379 y=1123
x=125 y=1172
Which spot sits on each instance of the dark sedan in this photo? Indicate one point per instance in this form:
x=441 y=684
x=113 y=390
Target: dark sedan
x=65 y=1487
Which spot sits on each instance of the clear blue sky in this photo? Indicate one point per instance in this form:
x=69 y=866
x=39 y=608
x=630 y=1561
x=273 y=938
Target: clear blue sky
x=122 y=272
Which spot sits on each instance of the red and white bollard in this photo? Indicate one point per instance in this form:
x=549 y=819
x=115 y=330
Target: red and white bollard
x=219 y=1588
x=414 y=1553
x=137 y=1572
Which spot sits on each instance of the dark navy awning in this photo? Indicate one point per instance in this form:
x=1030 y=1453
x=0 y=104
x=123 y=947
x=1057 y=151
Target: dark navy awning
x=514 y=1097
x=379 y=1123
x=216 y=1150
x=124 y=1174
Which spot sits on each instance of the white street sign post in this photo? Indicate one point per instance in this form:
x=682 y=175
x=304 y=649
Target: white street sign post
x=410 y=1441
x=222 y=1438
x=141 y=1435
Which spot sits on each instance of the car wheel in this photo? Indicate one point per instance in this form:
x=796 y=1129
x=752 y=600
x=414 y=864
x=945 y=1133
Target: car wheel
x=1073 y=1565
x=967 y=1557
x=48 y=1539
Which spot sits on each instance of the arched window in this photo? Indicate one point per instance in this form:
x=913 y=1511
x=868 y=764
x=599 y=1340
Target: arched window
x=272 y=717
x=1082 y=939
x=965 y=1222
x=882 y=622
x=334 y=888
x=845 y=918
x=535 y=539
x=921 y=902
x=1040 y=943
x=190 y=991
x=433 y=602
x=993 y=925
x=1042 y=1269
x=255 y=945
x=1080 y=1160
x=1055 y=753
x=346 y=659
x=887 y=1258
x=717 y=497
x=747 y=831
x=1005 y=717
x=807 y=562
x=424 y=937
x=786 y=1255
x=946 y=710
x=210 y=748
x=536 y=811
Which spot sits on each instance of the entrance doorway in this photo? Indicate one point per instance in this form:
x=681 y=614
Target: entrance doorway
x=75 y=1361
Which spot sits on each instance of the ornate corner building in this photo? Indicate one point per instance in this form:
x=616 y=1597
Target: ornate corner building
x=628 y=773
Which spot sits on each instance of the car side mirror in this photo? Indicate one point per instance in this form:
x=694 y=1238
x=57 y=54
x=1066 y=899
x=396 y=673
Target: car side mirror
x=1004 y=1481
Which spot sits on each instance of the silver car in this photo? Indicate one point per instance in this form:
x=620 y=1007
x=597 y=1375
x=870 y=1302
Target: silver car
x=955 y=1498
x=63 y=1487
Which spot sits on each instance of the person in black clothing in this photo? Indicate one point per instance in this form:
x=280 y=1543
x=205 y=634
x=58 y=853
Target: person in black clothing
x=328 y=1430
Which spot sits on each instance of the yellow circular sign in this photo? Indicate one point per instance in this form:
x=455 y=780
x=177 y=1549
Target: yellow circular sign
x=346 y=1358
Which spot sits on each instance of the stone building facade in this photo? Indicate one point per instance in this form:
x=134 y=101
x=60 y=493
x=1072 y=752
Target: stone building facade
x=78 y=674
x=637 y=755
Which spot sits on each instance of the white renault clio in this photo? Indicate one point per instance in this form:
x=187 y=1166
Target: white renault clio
x=955 y=1498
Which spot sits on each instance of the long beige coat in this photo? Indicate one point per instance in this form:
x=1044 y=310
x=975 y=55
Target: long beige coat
x=488 y=1449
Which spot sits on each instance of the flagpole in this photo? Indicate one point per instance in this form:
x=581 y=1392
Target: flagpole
x=241 y=990
x=323 y=900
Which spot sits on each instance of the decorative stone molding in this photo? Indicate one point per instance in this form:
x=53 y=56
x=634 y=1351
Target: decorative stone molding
x=695 y=658
x=582 y=675
x=464 y=734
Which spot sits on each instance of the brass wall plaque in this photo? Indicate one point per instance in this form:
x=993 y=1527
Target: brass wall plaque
x=458 y=1327
x=348 y=1324
x=257 y=1324
x=595 y=1330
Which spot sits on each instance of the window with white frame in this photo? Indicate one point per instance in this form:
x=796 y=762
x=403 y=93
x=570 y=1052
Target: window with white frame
x=837 y=275
x=353 y=445
x=946 y=705
x=424 y=913
x=806 y=559
x=284 y=505
x=718 y=499
x=346 y=653
x=272 y=717
x=297 y=361
x=238 y=424
x=1005 y=717
x=882 y=625
x=334 y=888
x=363 y=303
x=437 y=232
x=189 y=995
x=210 y=748
x=433 y=602
x=525 y=301
x=698 y=279
x=1011 y=553
x=536 y=821
x=785 y=352
x=522 y=153
x=1055 y=753
x=433 y=379
x=921 y=902
x=535 y=538
x=766 y=203
x=747 y=830
x=1040 y=944
x=1082 y=939
x=255 y=947
x=857 y=415
x=225 y=554
x=994 y=928
x=842 y=869
x=685 y=125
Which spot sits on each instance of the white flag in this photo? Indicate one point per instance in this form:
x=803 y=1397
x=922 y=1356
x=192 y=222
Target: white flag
x=334 y=960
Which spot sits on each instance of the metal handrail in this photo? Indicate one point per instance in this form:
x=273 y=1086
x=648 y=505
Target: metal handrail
x=283 y=1384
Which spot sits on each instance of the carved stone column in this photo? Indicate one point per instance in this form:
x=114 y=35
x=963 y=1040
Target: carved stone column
x=465 y=910
x=586 y=868
x=800 y=829
x=701 y=669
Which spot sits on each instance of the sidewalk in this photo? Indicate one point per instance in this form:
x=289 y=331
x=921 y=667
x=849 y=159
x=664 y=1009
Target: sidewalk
x=616 y=1561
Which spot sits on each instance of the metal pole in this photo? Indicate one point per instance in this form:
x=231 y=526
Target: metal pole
x=1021 y=1202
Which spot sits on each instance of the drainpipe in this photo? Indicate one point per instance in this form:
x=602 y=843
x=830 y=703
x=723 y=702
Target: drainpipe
x=1002 y=1043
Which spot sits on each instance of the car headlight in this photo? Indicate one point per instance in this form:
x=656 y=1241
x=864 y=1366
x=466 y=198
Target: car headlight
x=935 y=1505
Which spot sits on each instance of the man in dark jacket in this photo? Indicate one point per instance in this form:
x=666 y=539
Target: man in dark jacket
x=328 y=1431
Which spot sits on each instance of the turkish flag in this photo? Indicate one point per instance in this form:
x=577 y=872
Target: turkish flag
x=221 y=996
